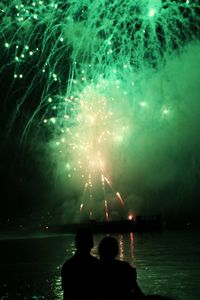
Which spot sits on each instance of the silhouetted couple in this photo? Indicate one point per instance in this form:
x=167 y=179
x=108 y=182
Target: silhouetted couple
x=86 y=277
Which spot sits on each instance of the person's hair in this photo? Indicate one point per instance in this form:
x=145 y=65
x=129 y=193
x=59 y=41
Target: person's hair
x=108 y=248
x=84 y=239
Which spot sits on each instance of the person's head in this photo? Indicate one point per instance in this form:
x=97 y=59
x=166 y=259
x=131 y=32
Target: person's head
x=84 y=240
x=108 y=248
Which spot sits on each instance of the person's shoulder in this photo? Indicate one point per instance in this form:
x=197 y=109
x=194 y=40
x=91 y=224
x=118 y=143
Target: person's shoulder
x=69 y=262
x=124 y=264
x=127 y=265
x=94 y=258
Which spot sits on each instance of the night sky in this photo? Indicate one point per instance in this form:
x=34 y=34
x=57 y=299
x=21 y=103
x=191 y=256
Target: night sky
x=98 y=99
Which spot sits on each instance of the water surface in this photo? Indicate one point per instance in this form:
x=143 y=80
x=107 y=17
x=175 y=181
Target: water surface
x=167 y=263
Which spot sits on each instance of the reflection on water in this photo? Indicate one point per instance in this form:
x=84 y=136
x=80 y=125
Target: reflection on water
x=167 y=263
x=121 y=247
x=132 y=245
x=57 y=287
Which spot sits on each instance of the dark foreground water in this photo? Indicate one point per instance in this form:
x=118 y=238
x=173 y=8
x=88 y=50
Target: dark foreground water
x=168 y=263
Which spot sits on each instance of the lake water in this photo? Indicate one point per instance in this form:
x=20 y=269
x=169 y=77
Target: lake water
x=168 y=263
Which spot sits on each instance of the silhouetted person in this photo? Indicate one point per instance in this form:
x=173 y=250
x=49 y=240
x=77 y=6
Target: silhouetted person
x=119 y=278
x=80 y=273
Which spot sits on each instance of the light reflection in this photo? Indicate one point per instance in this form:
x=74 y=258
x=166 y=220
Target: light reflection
x=127 y=247
x=57 y=288
x=132 y=248
x=121 y=247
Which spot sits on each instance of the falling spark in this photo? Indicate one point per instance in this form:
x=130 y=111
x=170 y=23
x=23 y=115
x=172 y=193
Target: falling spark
x=120 y=198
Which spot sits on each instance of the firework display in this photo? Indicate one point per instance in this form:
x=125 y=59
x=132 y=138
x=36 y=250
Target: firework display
x=98 y=78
